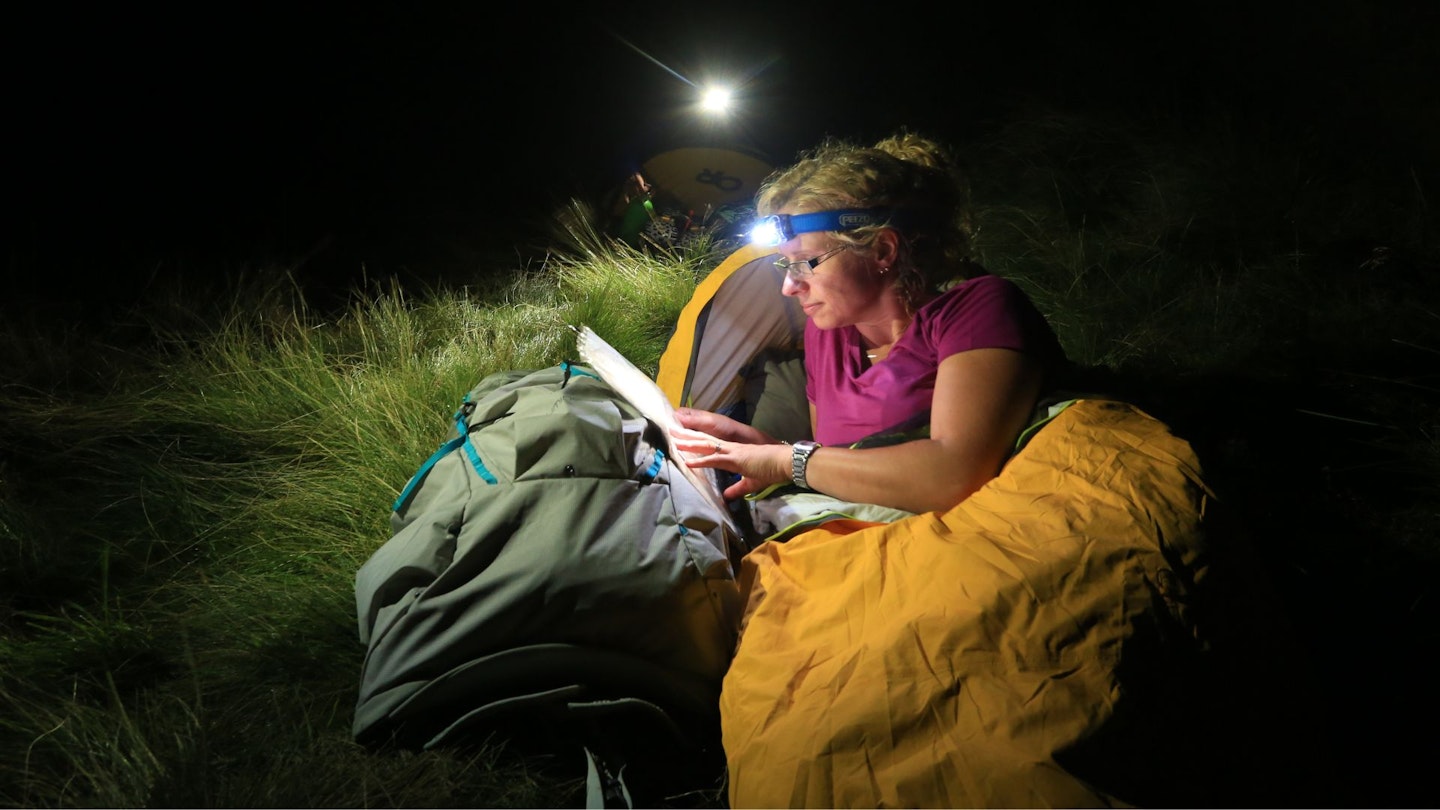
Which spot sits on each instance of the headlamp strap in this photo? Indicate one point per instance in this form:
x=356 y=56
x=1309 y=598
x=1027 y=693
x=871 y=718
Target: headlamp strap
x=846 y=219
x=780 y=228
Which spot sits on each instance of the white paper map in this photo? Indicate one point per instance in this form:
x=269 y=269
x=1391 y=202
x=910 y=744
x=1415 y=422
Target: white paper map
x=642 y=392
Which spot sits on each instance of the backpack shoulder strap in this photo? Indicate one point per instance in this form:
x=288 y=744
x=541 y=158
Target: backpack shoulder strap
x=640 y=728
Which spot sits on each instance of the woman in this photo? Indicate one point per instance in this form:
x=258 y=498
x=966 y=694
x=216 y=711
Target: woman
x=903 y=331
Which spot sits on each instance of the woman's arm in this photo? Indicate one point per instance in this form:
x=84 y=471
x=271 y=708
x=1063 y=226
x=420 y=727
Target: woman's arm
x=983 y=398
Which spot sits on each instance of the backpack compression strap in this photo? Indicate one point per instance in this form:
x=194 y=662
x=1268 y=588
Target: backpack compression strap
x=462 y=439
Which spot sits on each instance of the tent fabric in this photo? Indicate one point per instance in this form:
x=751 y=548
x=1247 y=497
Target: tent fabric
x=1042 y=644
x=706 y=177
x=735 y=314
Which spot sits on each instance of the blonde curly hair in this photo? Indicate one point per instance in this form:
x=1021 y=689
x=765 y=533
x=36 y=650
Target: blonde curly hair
x=914 y=176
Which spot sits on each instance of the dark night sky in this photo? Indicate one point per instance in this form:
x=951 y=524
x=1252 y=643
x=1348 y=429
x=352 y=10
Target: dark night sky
x=245 y=132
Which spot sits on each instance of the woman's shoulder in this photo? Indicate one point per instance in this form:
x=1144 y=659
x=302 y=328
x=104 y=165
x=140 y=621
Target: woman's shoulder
x=982 y=312
x=983 y=279
x=976 y=291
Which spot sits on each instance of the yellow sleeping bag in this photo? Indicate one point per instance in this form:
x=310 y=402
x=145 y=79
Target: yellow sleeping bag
x=1023 y=649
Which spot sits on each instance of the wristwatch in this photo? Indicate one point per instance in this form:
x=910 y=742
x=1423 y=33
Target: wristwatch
x=800 y=454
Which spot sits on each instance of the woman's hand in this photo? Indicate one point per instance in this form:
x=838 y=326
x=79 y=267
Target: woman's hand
x=711 y=440
x=720 y=426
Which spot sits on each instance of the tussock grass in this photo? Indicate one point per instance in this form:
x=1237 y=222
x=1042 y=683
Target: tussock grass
x=179 y=620
x=187 y=491
x=1201 y=249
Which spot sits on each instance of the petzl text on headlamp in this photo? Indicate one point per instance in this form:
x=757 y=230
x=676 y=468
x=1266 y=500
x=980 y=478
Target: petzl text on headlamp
x=779 y=228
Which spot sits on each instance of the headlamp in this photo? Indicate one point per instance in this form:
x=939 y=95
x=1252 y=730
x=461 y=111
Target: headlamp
x=779 y=228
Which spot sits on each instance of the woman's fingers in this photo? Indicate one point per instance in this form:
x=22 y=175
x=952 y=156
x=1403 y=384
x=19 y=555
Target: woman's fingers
x=696 y=444
x=706 y=421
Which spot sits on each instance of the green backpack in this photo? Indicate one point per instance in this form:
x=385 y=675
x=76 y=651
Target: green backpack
x=552 y=576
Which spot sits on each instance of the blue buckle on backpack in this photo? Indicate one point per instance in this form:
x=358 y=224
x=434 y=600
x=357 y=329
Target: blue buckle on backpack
x=780 y=228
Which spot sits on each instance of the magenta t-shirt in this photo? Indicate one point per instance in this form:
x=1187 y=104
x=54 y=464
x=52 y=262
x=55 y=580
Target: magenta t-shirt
x=853 y=401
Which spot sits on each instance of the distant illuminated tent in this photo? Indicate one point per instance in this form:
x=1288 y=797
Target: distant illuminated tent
x=704 y=178
x=695 y=177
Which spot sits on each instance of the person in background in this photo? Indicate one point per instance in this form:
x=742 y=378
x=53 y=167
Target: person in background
x=631 y=209
x=906 y=336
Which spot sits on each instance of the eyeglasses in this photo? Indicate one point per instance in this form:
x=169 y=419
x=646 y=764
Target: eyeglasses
x=797 y=269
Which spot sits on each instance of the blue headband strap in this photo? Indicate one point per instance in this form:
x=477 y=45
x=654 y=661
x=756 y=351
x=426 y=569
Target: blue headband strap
x=778 y=228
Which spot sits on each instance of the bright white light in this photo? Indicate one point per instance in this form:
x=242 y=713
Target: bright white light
x=767 y=232
x=715 y=100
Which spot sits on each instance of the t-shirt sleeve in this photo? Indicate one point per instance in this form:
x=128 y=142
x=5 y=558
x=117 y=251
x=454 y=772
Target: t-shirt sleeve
x=990 y=313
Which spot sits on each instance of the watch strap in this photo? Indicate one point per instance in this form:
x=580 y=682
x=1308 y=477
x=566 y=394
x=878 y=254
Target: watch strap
x=800 y=453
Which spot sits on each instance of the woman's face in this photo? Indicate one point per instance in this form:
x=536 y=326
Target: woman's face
x=842 y=290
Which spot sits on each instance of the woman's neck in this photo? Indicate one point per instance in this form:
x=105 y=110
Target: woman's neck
x=876 y=339
x=879 y=333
